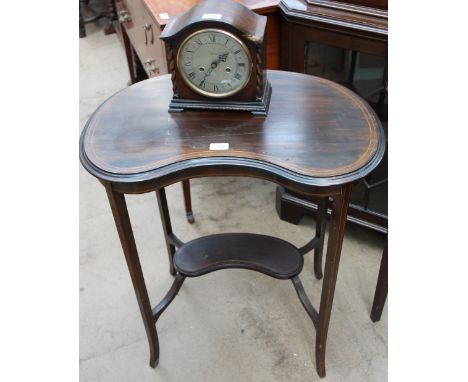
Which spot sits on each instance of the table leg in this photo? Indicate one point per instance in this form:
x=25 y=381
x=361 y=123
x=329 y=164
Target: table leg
x=167 y=227
x=320 y=229
x=129 y=55
x=127 y=240
x=188 y=200
x=381 y=289
x=339 y=208
x=81 y=23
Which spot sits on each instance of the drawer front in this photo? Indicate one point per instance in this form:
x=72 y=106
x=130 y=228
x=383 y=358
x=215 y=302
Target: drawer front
x=143 y=32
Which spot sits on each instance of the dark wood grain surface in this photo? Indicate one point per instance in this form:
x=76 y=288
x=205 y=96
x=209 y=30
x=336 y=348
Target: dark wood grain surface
x=269 y=255
x=373 y=24
x=245 y=20
x=315 y=129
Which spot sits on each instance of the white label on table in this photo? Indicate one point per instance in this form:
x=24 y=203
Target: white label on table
x=212 y=16
x=164 y=16
x=219 y=146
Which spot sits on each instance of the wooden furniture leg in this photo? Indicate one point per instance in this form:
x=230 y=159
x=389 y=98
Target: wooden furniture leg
x=320 y=229
x=188 y=200
x=287 y=210
x=381 y=289
x=124 y=228
x=167 y=227
x=339 y=208
x=169 y=297
x=81 y=22
x=129 y=55
x=111 y=16
x=86 y=15
x=309 y=308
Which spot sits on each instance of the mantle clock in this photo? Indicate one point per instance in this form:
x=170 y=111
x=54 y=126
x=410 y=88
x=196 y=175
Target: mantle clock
x=216 y=58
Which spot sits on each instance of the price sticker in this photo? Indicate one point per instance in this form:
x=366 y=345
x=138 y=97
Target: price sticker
x=219 y=146
x=212 y=16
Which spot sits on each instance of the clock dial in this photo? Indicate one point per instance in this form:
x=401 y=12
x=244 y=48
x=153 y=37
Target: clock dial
x=214 y=63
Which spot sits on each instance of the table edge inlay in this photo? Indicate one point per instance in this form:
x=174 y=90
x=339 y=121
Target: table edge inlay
x=372 y=124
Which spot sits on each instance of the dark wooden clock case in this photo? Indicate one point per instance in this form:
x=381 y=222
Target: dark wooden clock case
x=242 y=23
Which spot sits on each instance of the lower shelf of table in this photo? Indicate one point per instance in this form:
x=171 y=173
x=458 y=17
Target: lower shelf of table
x=269 y=255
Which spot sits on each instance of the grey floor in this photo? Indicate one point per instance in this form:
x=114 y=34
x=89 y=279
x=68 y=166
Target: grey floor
x=232 y=325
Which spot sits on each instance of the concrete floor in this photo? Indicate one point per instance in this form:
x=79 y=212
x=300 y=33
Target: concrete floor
x=231 y=325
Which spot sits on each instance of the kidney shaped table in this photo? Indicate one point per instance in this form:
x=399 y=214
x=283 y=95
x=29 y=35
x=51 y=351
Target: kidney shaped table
x=318 y=139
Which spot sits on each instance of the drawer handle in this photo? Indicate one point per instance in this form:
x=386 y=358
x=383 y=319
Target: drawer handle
x=150 y=65
x=124 y=16
x=148 y=27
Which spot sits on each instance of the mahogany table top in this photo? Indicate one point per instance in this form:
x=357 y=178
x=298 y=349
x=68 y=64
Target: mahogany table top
x=316 y=133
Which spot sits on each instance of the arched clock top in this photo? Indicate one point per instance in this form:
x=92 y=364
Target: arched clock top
x=229 y=13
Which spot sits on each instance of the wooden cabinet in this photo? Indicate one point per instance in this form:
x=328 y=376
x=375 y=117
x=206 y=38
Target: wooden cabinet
x=346 y=42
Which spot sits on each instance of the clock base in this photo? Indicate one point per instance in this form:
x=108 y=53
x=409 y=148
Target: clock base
x=259 y=108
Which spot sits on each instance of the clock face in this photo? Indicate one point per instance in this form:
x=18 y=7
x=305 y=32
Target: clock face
x=214 y=63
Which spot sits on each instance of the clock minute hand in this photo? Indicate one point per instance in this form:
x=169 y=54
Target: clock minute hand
x=208 y=72
x=213 y=65
x=221 y=58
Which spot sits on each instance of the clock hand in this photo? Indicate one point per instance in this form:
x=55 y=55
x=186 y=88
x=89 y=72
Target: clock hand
x=213 y=65
x=208 y=72
x=222 y=57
